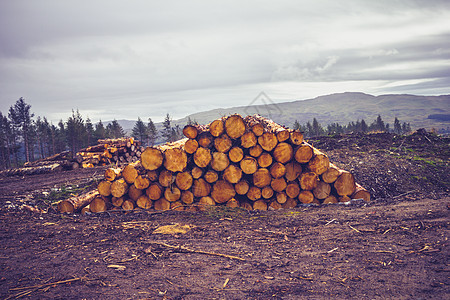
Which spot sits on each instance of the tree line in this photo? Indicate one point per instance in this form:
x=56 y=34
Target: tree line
x=378 y=125
x=25 y=138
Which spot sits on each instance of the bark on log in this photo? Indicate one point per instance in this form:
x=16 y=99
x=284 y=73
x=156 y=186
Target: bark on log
x=75 y=203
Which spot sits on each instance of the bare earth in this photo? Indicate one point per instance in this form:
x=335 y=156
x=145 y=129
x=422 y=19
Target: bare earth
x=393 y=247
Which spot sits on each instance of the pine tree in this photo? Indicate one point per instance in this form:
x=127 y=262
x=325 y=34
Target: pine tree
x=21 y=118
x=100 y=131
x=152 y=132
x=167 y=129
x=397 y=126
x=6 y=136
x=75 y=131
x=114 y=130
x=364 y=127
x=90 y=133
x=140 y=131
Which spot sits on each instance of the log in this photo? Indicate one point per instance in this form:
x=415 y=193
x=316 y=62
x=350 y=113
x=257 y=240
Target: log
x=331 y=174
x=277 y=170
x=222 y=191
x=289 y=204
x=254 y=193
x=184 y=180
x=248 y=165
x=242 y=187
x=112 y=173
x=330 y=200
x=322 y=190
x=190 y=131
x=211 y=176
x=152 y=175
x=306 y=197
x=205 y=139
x=219 y=161
x=187 y=197
x=246 y=205
x=128 y=204
x=278 y=184
x=293 y=171
x=274 y=205
x=204 y=202
x=217 y=127
x=236 y=154
x=232 y=174
x=99 y=204
x=196 y=172
x=166 y=178
x=202 y=157
x=191 y=146
x=319 y=163
x=292 y=190
x=222 y=143
x=267 y=192
x=152 y=158
x=283 y=135
x=259 y=205
x=134 y=193
x=281 y=197
x=75 y=203
x=235 y=126
x=303 y=153
x=256 y=151
x=261 y=178
x=175 y=159
x=161 y=204
x=268 y=141
x=154 y=191
x=360 y=193
x=104 y=188
x=296 y=137
x=265 y=160
x=172 y=194
x=201 y=188
x=248 y=140
x=283 y=153
x=141 y=182
x=119 y=188
x=117 y=202
x=308 y=181
x=345 y=184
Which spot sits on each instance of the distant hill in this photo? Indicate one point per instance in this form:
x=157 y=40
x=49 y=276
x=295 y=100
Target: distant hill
x=341 y=108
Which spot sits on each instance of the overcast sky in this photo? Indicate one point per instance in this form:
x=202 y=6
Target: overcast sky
x=124 y=59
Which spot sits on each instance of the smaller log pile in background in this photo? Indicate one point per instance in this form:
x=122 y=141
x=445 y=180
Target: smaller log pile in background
x=109 y=151
x=118 y=152
x=249 y=162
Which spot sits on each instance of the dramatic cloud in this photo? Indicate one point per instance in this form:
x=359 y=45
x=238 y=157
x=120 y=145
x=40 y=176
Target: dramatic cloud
x=123 y=59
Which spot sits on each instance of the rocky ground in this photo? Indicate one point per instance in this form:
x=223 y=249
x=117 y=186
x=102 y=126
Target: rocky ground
x=393 y=247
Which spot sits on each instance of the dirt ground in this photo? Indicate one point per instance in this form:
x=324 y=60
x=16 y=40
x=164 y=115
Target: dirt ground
x=393 y=247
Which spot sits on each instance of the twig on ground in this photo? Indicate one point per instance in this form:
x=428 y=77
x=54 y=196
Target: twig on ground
x=197 y=251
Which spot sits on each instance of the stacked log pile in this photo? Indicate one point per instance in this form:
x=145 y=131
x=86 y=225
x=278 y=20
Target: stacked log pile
x=248 y=162
x=118 y=151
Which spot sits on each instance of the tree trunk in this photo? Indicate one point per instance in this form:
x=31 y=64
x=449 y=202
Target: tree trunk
x=222 y=191
x=268 y=141
x=217 y=127
x=119 y=188
x=152 y=158
x=154 y=191
x=261 y=178
x=222 y=143
x=202 y=157
x=184 y=180
x=277 y=170
x=303 y=153
x=249 y=165
x=235 y=126
x=232 y=174
x=104 y=188
x=283 y=153
x=236 y=154
x=75 y=203
x=219 y=161
x=360 y=193
x=345 y=184
x=265 y=160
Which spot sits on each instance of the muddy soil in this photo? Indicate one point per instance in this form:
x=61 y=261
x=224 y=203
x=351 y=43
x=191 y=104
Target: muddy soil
x=396 y=246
